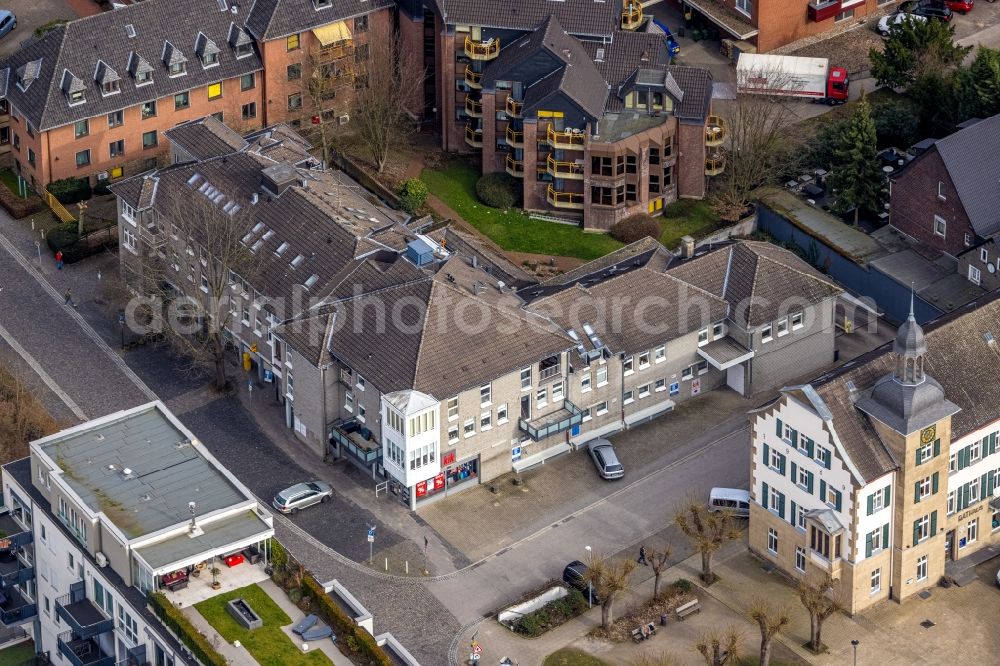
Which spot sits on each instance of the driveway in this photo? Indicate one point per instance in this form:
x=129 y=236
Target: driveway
x=32 y=14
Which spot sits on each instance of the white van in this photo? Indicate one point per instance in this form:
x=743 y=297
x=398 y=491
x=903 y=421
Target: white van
x=737 y=501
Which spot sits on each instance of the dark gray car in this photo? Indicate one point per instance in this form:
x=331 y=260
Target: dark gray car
x=301 y=495
x=603 y=454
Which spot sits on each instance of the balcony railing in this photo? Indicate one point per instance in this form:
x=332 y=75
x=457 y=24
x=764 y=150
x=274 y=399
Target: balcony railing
x=715 y=131
x=564 y=199
x=548 y=372
x=473 y=79
x=515 y=167
x=570 y=170
x=714 y=165
x=552 y=424
x=83 y=616
x=514 y=107
x=820 y=11
x=514 y=138
x=15 y=573
x=477 y=50
x=16 y=535
x=473 y=107
x=566 y=139
x=473 y=136
x=357 y=440
x=337 y=50
x=16 y=608
x=83 y=651
x=631 y=15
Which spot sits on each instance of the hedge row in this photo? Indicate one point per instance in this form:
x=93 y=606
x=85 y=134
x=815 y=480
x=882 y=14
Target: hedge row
x=70 y=190
x=18 y=207
x=183 y=629
x=349 y=634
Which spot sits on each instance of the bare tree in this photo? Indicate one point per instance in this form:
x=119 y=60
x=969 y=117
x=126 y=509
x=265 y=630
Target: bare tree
x=195 y=279
x=609 y=578
x=331 y=72
x=651 y=659
x=818 y=593
x=22 y=418
x=720 y=650
x=389 y=81
x=770 y=620
x=658 y=559
x=709 y=530
x=763 y=144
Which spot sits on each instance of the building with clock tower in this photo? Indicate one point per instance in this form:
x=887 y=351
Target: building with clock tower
x=882 y=473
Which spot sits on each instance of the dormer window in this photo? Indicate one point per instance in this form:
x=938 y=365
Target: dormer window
x=143 y=77
x=178 y=68
x=240 y=41
x=140 y=70
x=28 y=73
x=174 y=60
x=77 y=97
x=206 y=50
x=74 y=87
x=244 y=50
x=107 y=79
x=322 y=4
x=111 y=87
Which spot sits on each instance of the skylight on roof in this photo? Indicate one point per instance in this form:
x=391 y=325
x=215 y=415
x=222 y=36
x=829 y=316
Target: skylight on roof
x=130 y=30
x=308 y=284
x=257 y=228
x=256 y=246
x=297 y=261
x=281 y=249
x=268 y=234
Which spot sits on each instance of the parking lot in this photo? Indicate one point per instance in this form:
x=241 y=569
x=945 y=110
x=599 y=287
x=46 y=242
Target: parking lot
x=32 y=14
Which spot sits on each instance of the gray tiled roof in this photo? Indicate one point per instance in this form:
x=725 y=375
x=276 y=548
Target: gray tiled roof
x=578 y=17
x=633 y=255
x=970 y=155
x=271 y=19
x=78 y=46
x=759 y=280
x=205 y=137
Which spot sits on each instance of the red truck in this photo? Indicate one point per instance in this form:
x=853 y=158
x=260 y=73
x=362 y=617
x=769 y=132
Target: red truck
x=806 y=78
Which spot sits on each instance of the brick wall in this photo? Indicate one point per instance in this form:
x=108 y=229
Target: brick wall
x=690 y=170
x=974 y=258
x=915 y=202
x=781 y=22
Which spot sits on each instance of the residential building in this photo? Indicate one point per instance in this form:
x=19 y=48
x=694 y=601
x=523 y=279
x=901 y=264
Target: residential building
x=101 y=514
x=946 y=199
x=92 y=98
x=577 y=100
x=883 y=473
x=768 y=25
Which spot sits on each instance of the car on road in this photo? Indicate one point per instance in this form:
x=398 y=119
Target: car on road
x=7 y=22
x=960 y=6
x=301 y=495
x=575 y=575
x=733 y=500
x=886 y=22
x=605 y=458
x=939 y=11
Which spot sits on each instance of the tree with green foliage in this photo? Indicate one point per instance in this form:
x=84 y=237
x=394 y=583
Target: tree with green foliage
x=897 y=124
x=915 y=49
x=412 y=195
x=857 y=176
x=979 y=85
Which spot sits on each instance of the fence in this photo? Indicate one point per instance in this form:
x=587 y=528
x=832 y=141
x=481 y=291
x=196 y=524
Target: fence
x=56 y=206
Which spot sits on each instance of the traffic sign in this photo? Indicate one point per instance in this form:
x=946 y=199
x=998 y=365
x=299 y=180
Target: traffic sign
x=477 y=649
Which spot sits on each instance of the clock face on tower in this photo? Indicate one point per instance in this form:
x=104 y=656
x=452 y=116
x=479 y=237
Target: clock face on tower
x=927 y=435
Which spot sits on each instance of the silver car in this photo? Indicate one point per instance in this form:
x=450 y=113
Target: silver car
x=301 y=495
x=605 y=459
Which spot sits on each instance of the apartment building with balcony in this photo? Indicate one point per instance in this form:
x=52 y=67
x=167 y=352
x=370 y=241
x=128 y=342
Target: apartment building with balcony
x=769 y=24
x=883 y=474
x=109 y=511
x=92 y=98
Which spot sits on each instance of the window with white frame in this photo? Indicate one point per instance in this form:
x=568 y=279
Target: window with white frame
x=289 y=384
x=940 y=193
x=702 y=367
x=821 y=454
x=878 y=500
x=745 y=6
x=951 y=502
x=602 y=375
x=923 y=488
x=601 y=408
x=452 y=434
x=542 y=397
x=921 y=528
x=800 y=517
x=644 y=391
x=469 y=427
x=953 y=463
x=922 y=567
x=971 y=532
x=660 y=354
x=974 y=451
x=774 y=503
x=128 y=238
x=975 y=276
x=984 y=254
x=585 y=380
x=777 y=460
x=876 y=581
x=485 y=421
x=557 y=391
x=940 y=226
x=765 y=334
x=718 y=330
x=796 y=321
x=585 y=414
x=643 y=360
x=800 y=559
x=687 y=373
x=362 y=412
x=926 y=452
x=703 y=337
x=628 y=397
x=525 y=379
x=772 y=540
x=875 y=538
x=485 y=394
x=360 y=382
x=782 y=327
x=349 y=401
x=661 y=385
x=627 y=365
x=452 y=409
x=502 y=414
x=803 y=480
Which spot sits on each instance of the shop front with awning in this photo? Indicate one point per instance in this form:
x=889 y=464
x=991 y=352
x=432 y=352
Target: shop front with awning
x=727 y=19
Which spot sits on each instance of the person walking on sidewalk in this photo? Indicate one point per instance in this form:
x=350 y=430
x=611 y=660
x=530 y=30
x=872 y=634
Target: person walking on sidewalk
x=642 y=556
x=59 y=260
x=69 y=298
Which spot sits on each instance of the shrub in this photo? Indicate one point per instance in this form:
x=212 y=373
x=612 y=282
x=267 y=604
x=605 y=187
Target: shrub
x=635 y=228
x=62 y=237
x=182 y=627
x=70 y=190
x=18 y=207
x=295 y=595
x=497 y=190
x=102 y=187
x=412 y=195
x=532 y=624
x=44 y=28
x=279 y=556
x=683 y=585
x=896 y=124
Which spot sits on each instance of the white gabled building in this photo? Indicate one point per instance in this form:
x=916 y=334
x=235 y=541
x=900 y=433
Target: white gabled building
x=883 y=472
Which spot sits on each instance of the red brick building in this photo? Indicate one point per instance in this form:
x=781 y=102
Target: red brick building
x=947 y=198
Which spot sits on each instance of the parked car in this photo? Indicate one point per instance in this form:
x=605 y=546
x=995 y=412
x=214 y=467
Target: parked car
x=730 y=499
x=301 y=495
x=886 y=22
x=960 y=6
x=575 y=575
x=7 y=22
x=938 y=11
x=603 y=453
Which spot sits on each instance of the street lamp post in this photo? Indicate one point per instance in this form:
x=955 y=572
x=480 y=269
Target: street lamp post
x=855 y=644
x=590 y=592
x=121 y=324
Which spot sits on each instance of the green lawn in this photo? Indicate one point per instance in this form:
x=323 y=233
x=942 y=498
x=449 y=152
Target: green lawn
x=9 y=178
x=17 y=654
x=687 y=217
x=268 y=645
x=455 y=185
x=570 y=657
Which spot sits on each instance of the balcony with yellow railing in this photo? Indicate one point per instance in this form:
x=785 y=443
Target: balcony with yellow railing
x=564 y=199
x=473 y=107
x=514 y=107
x=473 y=79
x=570 y=170
x=715 y=131
x=515 y=167
x=714 y=165
x=566 y=139
x=477 y=50
x=515 y=139
x=631 y=15
x=336 y=50
x=473 y=136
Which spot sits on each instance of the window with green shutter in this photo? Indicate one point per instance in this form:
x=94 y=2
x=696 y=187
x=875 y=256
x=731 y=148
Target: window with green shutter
x=822 y=489
x=838 y=498
x=781 y=506
x=886 y=496
x=885 y=535
x=916 y=532
x=937 y=447
x=767 y=455
x=871 y=504
x=920 y=455
x=934 y=482
x=868 y=545
x=779 y=430
x=933 y=523
x=765 y=498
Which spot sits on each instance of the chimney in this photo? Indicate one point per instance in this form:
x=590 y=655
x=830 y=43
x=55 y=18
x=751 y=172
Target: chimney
x=644 y=57
x=687 y=247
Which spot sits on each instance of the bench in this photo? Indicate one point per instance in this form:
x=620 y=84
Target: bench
x=637 y=635
x=690 y=608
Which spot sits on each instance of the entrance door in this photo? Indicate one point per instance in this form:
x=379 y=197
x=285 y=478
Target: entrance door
x=949 y=541
x=526 y=407
x=735 y=378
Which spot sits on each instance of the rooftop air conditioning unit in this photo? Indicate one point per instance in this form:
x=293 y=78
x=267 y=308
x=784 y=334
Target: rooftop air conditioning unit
x=344 y=119
x=102 y=559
